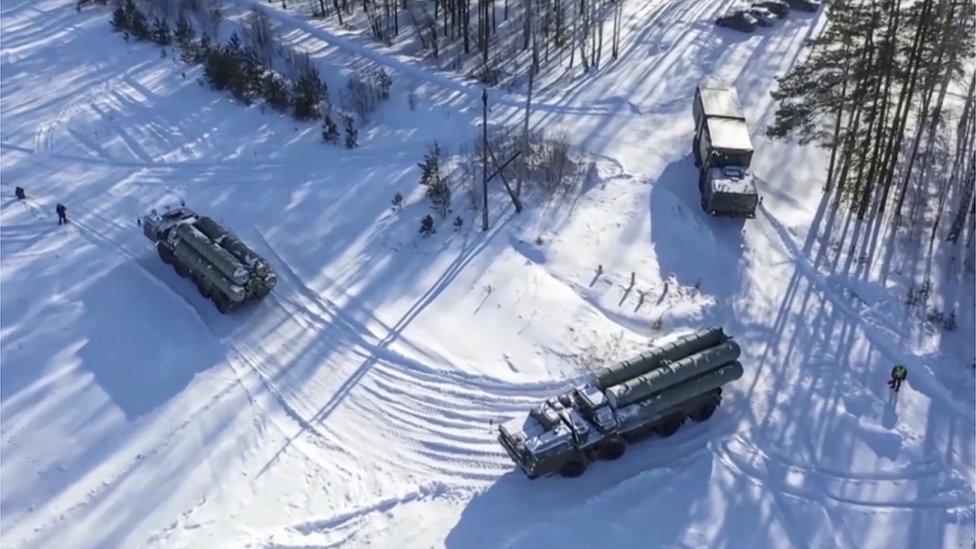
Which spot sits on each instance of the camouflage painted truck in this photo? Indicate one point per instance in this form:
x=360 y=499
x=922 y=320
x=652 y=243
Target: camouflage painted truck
x=224 y=269
x=723 y=153
x=655 y=392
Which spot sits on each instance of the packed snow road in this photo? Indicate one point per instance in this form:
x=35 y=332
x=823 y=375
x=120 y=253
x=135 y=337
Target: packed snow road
x=356 y=403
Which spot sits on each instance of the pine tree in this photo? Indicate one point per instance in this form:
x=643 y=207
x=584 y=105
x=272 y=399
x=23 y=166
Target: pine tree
x=397 y=201
x=427 y=226
x=137 y=22
x=120 y=20
x=352 y=134
x=308 y=89
x=438 y=187
x=330 y=132
x=274 y=89
x=160 y=32
x=183 y=32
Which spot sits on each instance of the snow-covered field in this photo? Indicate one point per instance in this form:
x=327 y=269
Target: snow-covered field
x=355 y=405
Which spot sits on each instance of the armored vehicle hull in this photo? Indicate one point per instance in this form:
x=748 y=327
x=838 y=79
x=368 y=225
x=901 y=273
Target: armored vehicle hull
x=222 y=267
x=652 y=393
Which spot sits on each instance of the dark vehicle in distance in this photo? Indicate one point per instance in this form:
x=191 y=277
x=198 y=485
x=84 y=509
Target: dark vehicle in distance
x=780 y=8
x=738 y=20
x=765 y=17
x=804 y=5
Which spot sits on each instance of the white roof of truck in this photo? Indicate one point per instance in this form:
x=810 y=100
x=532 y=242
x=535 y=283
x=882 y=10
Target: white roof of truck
x=722 y=102
x=729 y=134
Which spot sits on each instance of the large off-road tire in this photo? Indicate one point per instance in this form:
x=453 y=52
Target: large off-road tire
x=694 y=152
x=704 y=411
x=164 y=253
x=572 y=469
x=203 y=286
x=223 y=304
x=180 y=269
x=612 y=449
x=669 y=425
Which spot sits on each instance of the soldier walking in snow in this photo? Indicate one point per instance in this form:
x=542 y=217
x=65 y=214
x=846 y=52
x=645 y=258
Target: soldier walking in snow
x=898 y=374
x=62 y=214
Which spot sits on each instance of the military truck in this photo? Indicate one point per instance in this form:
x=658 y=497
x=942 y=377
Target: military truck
x=723 y=152
x=224 y=269
x=653 y=393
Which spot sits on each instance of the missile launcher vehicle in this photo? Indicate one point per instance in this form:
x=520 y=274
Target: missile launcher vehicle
x=723 y=152
x=654 y=392
x=224 y=269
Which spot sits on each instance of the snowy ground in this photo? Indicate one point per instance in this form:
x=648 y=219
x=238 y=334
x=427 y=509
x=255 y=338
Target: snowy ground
x=354 y=405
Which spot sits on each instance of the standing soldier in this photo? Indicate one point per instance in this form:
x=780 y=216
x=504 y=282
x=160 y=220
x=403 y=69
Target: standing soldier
x=62 y=214
x=898 y=374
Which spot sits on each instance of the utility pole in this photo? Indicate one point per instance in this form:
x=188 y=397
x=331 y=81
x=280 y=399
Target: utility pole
x=484 y=159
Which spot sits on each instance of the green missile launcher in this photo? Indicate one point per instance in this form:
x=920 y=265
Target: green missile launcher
x=224 y=269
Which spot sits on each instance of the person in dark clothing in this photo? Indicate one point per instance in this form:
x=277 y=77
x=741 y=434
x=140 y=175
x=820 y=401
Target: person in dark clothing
x=19 y=193
x=62 y=214
x=898 y=374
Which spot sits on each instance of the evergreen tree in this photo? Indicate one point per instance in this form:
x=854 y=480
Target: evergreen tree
x=274 y=89
x=397 y=201
x=330 y=132
x=120 y=20
x=438 y=186
x=427 y=226
x=352 y=134
x=308 y=90
x=138 y=25
x=184 y=31
x=161 y=33
x=219 y=67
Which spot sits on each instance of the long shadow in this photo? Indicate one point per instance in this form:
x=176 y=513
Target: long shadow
x=698 y=249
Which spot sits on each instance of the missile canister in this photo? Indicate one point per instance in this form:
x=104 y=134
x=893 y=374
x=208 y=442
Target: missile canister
x=219 y=257
x=204 y=268
x=231 y=243
x=671 y=374
x=648 y=409
x=643 y=363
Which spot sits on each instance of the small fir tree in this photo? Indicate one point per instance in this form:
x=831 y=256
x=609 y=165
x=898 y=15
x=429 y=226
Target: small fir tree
x=330 y=132
x=427 y=226
x=352 y=134
x=397 y=201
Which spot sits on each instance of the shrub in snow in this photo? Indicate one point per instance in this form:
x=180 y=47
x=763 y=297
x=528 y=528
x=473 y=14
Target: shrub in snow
x=427 y=226
x=397 y=201
x=458 y=222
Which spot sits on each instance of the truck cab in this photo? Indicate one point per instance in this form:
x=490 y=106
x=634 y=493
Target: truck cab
x=723 y=152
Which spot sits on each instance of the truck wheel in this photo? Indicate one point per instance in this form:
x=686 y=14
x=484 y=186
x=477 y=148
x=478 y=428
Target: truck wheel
x=669 y=426
x=203 y=287
x=163 y=253
x=180 y=269
x=572 y=469
x=222 y=303
x=705 y=411
x=612 y=449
